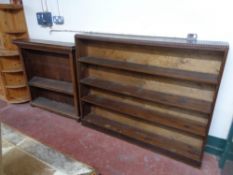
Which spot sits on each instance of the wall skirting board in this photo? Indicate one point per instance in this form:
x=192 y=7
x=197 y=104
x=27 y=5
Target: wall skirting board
x=217 y=146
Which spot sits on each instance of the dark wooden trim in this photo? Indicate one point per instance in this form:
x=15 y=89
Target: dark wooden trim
x=24 y=71
x=73 y=75
x=154 y=41
x=45 y=45
x=215 y=95
x=82 y=72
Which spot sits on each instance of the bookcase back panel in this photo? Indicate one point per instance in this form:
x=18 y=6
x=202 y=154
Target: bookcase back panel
x=192 y=60
x=163 y=85
x=38 y=92
x=148 y=127
x=155 y=107
x=47 y=64
x=151 y=129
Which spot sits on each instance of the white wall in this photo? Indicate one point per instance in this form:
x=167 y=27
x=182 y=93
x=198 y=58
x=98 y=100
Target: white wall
x=211 y=19
x=4 y=1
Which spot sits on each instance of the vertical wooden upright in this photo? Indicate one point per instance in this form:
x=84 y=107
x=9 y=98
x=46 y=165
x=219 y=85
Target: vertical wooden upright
x=13 y=84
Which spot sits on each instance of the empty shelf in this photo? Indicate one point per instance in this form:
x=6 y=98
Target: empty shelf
x=153 y=70
x=8 y=53
x=160 y=139
x=12 y=70
x=50 y=84
x=19 y=100
x=16 y=86
x=54 y=106
x=148 y=115
x=153 y=96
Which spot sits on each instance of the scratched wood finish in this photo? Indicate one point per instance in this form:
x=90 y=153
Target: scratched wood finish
x=51 y=74
x=159 y=92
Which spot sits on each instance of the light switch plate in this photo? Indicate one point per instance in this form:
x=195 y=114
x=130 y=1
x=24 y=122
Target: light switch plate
x=59 y=20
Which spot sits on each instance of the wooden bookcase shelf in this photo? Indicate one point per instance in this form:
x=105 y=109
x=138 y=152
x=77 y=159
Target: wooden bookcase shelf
x=8 y=36
x=8 y=53
x=54 y=85
x=134 y=130
x=55 y=106
x=172 y=121
x=16 y=86
x=157 y=92
x=12 y=70
x=11 y=7
x=152 y=70
x=153 y=96
x=51 y=68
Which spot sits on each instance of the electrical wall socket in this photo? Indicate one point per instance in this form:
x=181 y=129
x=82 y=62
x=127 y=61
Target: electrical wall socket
x=44 y=19
x=59 y=20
